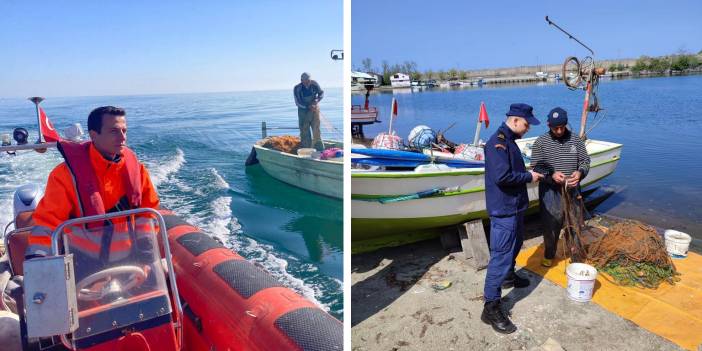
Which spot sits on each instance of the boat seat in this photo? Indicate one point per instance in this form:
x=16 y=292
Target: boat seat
x=18 y=240
x=24 y=220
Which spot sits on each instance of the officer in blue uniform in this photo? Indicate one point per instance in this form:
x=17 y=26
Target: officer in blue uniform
x=506 y=197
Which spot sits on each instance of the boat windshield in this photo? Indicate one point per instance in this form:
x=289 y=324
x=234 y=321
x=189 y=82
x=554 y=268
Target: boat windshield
x=118 y=273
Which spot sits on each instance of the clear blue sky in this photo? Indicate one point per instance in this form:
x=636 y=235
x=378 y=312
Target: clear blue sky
x=86 y=48
x=484 y=34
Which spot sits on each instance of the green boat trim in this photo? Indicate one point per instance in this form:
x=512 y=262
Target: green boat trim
x=413 y=175
x=410 y=229
x=374 y=197
x=369 y=234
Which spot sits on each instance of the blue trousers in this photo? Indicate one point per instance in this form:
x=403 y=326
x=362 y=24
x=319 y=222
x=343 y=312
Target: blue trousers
x=506 y=238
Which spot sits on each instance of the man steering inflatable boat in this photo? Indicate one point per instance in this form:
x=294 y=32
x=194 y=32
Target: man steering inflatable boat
x=97 y=177
x=98 y=265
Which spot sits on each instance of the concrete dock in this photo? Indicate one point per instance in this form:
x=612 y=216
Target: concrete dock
x=400 y=302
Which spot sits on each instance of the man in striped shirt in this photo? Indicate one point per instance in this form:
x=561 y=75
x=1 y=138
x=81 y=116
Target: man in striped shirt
x=561 y=157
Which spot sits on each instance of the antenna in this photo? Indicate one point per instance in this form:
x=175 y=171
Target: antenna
x=37 y=100
x=570 y=36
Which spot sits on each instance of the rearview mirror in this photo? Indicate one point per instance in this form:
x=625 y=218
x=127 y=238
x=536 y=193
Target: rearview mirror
x=337 y=55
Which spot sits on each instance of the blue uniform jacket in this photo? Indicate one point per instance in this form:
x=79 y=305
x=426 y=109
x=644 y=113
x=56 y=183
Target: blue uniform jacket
x=505 y=175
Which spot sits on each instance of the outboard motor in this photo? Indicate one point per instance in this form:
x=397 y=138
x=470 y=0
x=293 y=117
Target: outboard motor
x=20 y=135
x=25 y=201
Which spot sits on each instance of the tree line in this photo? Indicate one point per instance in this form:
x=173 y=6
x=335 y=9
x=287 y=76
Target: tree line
x=679 y=62
x=410 y=68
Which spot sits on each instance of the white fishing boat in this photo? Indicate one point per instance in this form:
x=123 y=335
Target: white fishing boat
x=306 y=171
x=375 y=224
x=400 y=80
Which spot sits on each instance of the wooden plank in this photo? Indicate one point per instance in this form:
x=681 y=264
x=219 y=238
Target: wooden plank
x=449 y=239
x=474 y=244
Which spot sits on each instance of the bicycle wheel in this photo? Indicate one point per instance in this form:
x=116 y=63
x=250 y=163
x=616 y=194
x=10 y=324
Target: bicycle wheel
x=571 y=72
x=587 y=65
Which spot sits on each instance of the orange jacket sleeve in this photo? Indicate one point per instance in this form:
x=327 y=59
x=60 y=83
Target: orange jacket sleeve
x=149 y=196
x=59 y=202
x=57 y=205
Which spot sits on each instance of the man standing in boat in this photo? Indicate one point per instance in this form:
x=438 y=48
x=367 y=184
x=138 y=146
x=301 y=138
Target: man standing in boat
x=307 y=96
x=506 y=198
x=562 y=158
x=97 y=177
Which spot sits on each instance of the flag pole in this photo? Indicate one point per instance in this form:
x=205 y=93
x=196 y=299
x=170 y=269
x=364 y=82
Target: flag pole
x=480 y=123
x=477 y=133
x=37 y=100
x=392 y=115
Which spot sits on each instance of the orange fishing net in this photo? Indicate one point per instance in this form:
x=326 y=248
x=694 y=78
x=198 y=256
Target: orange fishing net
x=631 y=252
x=284 y=143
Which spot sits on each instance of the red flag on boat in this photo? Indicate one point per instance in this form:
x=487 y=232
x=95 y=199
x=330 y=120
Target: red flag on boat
x=394 y=108
x=483 y=116
x=46 y=128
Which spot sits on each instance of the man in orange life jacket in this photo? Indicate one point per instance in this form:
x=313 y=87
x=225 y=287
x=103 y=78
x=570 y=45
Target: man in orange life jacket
x=97 y=177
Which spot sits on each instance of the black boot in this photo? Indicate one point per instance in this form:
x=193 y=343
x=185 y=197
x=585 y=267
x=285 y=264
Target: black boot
x=493 y=315
x=513 y=280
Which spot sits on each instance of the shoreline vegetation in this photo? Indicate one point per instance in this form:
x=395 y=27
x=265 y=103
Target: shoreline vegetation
x=680 y=63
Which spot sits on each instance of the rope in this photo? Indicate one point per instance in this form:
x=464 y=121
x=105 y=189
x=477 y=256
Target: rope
x=573 y=224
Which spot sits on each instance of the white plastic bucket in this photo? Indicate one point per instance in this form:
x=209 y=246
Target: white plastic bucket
x=677 y=243
x=581 y=281
x=305 y=152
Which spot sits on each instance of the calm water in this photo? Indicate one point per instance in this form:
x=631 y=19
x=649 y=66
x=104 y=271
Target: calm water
x=658 y=120
x=194 y=147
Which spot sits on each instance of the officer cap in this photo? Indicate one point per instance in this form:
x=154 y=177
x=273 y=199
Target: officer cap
x=523 y=110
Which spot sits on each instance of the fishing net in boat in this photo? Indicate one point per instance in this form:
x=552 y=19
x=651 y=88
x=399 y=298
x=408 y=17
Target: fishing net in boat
x=284 y=143
x=630 y=252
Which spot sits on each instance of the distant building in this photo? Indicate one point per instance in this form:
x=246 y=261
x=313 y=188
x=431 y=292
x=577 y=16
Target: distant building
x=400 y=80
x=359 y=80
x=378 y=78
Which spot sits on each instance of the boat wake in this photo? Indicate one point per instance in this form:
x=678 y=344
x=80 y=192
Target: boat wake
x=24 y=168
x=161 y=172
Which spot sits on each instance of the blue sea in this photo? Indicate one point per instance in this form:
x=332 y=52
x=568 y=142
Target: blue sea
x=194 y=147
x=658 y=120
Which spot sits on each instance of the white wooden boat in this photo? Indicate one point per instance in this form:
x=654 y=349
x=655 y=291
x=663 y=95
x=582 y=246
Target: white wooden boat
x=375 y=225
x=319 y=176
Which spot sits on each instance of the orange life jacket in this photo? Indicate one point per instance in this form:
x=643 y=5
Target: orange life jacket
x=81 y=180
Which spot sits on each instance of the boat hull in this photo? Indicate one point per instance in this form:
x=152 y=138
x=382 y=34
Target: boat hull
x=375 y=225
x=230 y=304
x=319 y=176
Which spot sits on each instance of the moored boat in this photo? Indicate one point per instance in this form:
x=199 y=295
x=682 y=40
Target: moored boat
x=459 y=197
x=305 y=171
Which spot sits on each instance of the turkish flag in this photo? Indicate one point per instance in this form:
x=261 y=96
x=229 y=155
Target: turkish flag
x=394 y=108
x=46 y=128
x=483 y=116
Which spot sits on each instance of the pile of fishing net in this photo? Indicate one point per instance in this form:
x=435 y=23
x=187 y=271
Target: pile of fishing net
x=633 y=254
x=285 y=143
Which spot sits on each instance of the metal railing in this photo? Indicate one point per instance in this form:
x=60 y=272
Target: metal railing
x=55 y=236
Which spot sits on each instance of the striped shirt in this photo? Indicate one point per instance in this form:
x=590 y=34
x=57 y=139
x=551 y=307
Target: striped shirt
x=566 y=154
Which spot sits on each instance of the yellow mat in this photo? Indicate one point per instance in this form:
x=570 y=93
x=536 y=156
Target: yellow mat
x=671 y=311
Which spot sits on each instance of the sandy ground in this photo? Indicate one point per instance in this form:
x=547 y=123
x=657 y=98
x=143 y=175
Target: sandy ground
x=395 y=306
